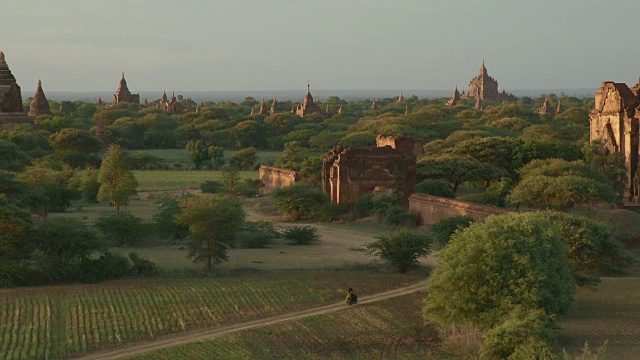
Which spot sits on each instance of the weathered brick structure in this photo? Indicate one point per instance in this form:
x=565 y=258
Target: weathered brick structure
x=308 y=106
x=39 y=104
x=484 y=87
x=430 y=209
x=11 y=108
x=615 y=121
x=455 y=98
x=273 y=177
x=402 y=143
x=124 y=95
x=546 y=108
x=348 y=173
x=172 y=106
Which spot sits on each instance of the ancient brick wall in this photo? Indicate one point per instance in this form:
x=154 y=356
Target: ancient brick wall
x=273 y=177
x=431 y=209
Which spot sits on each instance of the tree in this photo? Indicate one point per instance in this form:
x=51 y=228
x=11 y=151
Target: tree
x=490 y=268
x=48 y=189
x=16 y=244
x=65 y=243
x=561 y=184
x=121 y=229
x=117 y=183
x=244 y=159
x=593 y=250
x=400 y=249
x=230 y=179
x=167 y=207
x=76 y=147
x=213 y=222
x=198 y=152
x=300 y=201
x=457 y=170
x=216 y=154
x=12 y=158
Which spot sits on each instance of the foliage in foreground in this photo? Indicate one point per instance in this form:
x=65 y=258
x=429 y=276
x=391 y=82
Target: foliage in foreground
x=400 y=249
x=213 y=222
x=301 y=235
x=300 y=201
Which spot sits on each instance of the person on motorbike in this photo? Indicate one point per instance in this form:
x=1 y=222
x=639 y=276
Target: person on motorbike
x=351 y=297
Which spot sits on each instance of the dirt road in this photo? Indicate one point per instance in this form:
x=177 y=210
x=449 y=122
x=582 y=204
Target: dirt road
x=143 y=347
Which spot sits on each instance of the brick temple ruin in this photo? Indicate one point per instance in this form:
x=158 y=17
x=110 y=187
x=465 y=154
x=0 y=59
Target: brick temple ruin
x=39 y=104
x=348 y=173
x=482 y=87
x=123 y=95
x=615 y=121
x=11 y=108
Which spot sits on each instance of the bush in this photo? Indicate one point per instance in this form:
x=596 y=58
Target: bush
x=250 y=187
x=300 y=201
x=331 y=211
x=257 y=235
x=528 y=332
x=301 y=235
x=164 y=222
x=444 y=228
x=121 y=229
x=496 y=193
x=397 y=215
x=363 y=206
x=107 y=266
x=211 y=187
x=435 y=188
x=521 y=261
x=142 y=266
x=400 y=249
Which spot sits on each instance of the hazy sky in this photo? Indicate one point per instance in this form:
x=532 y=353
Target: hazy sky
x=83 y=45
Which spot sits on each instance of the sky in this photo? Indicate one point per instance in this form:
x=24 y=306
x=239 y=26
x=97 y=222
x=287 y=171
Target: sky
x=235 y=45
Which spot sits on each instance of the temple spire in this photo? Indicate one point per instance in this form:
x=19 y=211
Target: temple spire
x=2 y=57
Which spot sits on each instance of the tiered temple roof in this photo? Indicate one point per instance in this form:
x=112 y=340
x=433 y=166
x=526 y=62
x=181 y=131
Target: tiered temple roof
x=454 y=98
x=11 y=108
x=308 y=106
x=123 y=94
x=39 y=104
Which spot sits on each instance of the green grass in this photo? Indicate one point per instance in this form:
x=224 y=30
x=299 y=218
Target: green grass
x=388 y=329
x=611 y=313
x=181 y=156
x=177 y=180
x=65 y=321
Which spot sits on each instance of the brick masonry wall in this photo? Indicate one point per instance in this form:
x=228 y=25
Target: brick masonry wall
x=273 y=177
x=431 y=209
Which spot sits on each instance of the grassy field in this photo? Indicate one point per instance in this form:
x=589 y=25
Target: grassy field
x=389 y=329
x=65 y=321
x=151 y=180
x=181 y=156
x=611 y=314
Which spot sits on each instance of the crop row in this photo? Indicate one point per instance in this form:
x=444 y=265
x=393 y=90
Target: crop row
x=390 y=329
x=63 y=321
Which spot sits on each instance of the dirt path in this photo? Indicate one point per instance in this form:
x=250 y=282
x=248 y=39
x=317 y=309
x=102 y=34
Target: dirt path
x=143 y=347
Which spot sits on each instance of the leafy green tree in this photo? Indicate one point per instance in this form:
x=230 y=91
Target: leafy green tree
x=435 y=187
x=244 y=159
x=48 y=189
x=609 y=164
x=457 y=170
x=117 y=183
x=400 y=249
x=561 y=184
x=213 y=222
x=300 y=201
x=65 y=243
x=198 y=152
x=593 y=250
x=216 y=154
x=121 y=229
x=12 y=158
x=230 y=179
x=87 y=183
x=442 y=230
x=491 y=268
x=76 y=147
x=16 y=243
x=165 y=225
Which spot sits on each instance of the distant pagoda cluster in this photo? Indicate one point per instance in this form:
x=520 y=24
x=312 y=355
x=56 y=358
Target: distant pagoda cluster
x=308 y=106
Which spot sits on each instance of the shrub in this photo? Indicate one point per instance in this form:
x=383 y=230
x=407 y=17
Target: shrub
x=363 y=206
x=435 y=188
x=496 y=193
x=257 y=235
x=528 y=332
x=250 y=187
x=142 y=266
x=107 y=266
x=397 y=215
x=121 y=229
x=211 y=186
x=400 y=249
x=301 y=235
x=444 y=228
x=300 y=201
x=164 y=222
x=521 y=261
